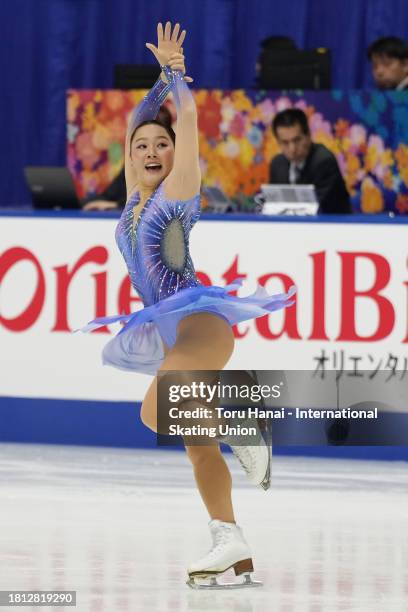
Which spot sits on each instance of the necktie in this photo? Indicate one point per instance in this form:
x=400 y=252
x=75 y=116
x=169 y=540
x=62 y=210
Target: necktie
x=295 y=172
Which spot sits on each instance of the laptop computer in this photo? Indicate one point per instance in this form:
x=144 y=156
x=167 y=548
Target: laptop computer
x=217 y=201
x=288 y=200
x=51 y=187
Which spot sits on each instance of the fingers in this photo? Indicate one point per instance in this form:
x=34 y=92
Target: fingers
x=89 y=206
x=167 y=31
x=169 y=35
x=178 y=67
x=176 y=62
x=182 y=68
x=159 y=32
x=176 y=56
x=100 y=205
x=153 y=49
x=175 y=32
x=182 y=37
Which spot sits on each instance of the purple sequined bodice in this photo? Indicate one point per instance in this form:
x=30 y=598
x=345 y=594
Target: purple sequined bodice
x=156 y=250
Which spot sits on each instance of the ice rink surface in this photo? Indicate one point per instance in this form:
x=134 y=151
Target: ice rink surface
x=119 y=526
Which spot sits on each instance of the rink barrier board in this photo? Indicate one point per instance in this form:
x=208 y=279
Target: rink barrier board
x=117 y=424
x=382 y=218
x=59 y=421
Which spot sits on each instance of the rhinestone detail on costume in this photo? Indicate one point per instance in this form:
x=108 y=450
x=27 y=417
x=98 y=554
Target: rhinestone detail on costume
x=156 y=249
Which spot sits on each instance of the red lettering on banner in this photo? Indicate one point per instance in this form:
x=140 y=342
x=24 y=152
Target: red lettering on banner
x=100 y=298
x=125 y=299
x=30 y=315
x=97 y=255
x=290 y=318
x=230 y=275
x=349 y=295
x=319 y=287
x=203 y=278
x=406 y=309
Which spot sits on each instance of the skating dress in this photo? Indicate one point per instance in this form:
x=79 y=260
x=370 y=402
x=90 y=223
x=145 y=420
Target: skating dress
x=155 y=248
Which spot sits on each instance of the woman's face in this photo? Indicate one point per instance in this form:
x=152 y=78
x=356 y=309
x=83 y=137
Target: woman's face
x=152 y=155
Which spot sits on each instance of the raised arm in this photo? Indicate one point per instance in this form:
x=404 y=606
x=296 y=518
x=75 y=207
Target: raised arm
x=184 y=180
x=147 y=109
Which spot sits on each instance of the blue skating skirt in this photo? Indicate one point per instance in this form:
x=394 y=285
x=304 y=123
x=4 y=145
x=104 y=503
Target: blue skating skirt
x=138 y=346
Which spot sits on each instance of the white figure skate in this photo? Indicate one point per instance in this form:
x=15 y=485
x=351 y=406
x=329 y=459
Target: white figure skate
x=229 y=550
x=255 y=459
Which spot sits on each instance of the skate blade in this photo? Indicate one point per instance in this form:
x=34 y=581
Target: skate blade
x=214 y=585
x=266 y=483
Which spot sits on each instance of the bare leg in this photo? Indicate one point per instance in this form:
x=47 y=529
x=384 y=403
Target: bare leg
x=213 y=480
x=204 y=342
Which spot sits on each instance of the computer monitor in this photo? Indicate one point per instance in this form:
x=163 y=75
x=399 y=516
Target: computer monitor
x=51 y=187
x=295 y=69
x=217 y=201
x=135 y=76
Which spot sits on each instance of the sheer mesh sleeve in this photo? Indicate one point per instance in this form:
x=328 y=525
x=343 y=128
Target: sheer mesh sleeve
x=185 y=178
x=179 y=88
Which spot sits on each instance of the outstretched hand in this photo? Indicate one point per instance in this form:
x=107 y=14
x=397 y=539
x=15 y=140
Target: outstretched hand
x=169 y=51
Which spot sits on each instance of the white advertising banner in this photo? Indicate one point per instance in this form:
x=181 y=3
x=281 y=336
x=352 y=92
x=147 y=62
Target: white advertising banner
x=56 y=274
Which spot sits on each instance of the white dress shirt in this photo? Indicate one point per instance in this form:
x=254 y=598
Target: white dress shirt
x=403 y=84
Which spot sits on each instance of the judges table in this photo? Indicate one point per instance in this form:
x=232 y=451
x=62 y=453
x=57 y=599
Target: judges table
x=59 y=270
x=367 y=131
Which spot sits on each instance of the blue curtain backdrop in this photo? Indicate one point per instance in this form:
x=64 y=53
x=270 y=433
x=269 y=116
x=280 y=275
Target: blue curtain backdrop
x=48 y=46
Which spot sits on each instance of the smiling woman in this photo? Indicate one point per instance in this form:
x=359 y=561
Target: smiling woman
x=151 y=153
x=183 y=326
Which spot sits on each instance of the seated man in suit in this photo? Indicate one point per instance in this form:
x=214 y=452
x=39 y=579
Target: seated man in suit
x=307 y=163
x=389 y=62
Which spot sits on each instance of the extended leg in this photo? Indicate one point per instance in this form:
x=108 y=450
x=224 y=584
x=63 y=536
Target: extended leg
x=205 y=342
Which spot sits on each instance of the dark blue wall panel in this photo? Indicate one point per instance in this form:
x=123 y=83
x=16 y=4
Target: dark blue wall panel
x=117 y=424
x=48 y=46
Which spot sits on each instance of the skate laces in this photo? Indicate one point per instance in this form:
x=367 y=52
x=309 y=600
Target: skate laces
x=220 y=537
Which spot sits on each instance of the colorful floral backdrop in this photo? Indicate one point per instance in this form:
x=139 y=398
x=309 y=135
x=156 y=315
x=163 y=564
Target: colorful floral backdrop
x=367 y=131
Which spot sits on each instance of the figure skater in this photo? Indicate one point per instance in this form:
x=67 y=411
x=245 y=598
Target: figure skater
x=184 y=325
